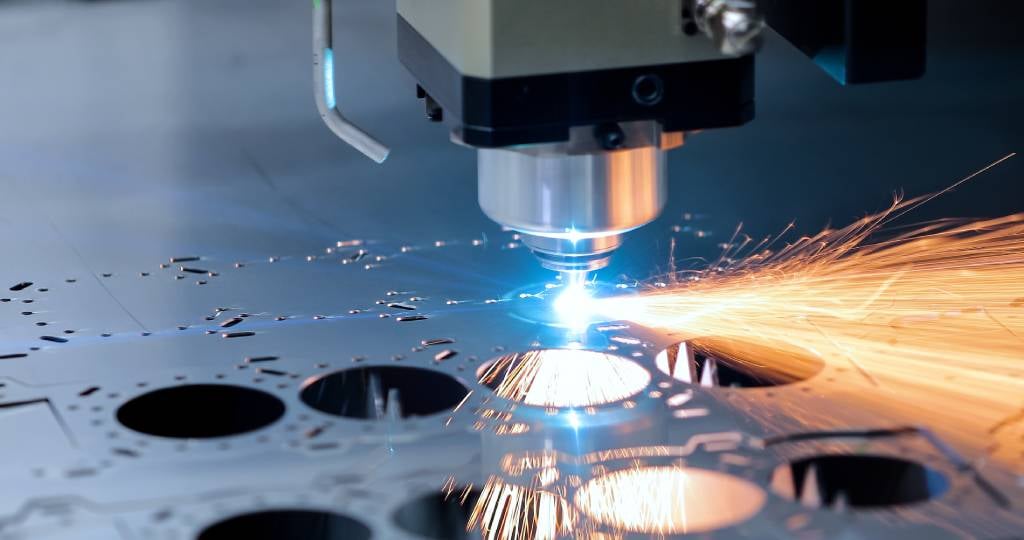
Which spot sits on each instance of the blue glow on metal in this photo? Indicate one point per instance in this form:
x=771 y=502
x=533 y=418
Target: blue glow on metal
x=329 y=78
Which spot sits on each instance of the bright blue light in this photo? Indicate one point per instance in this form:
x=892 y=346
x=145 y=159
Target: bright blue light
x=574 y=306
x=329 y=78
x=574 y=236
x=574 y=419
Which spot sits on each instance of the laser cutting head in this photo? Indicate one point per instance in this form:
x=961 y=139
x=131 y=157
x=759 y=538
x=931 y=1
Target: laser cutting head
x=571 y=105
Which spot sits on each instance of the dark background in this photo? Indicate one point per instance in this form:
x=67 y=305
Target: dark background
x=152 y=107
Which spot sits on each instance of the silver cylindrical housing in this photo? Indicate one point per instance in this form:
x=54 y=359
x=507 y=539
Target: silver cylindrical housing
x=571 y=208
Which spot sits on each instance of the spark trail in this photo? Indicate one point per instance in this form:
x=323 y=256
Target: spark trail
x=928 y=323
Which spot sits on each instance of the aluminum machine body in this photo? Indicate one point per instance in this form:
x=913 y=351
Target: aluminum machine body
x=572 y=105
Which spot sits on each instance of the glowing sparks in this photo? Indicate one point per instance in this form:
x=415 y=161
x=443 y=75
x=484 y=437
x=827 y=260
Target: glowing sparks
x=927 y=325
x=563 y=378
x=668 y=500
x=510 y=512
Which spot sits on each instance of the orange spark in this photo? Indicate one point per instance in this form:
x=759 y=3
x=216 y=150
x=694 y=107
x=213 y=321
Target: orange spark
x=668 y=500
x=565 y=378
x=510 y=512
x=924 y=326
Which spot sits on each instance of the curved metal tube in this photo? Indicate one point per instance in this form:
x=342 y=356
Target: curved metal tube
x=323 y=87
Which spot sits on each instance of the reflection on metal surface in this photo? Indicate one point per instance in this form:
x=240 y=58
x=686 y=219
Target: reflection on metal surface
x=511 y=512
x=668 y=500
x=564 y=378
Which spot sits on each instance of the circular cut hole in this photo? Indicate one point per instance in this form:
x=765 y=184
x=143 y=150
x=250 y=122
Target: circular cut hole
x=378 y=392
x=287 y=525
x=669 y=500
x=738 y=364
x=564 y=378
x=857 y=481
x=445 y=516
x=200 y=411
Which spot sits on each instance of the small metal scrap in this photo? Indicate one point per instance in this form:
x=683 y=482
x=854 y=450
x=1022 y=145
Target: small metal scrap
x=231 y=322
x=274 y=372
x=445 y=355
x=237 y=334
x=12 y=356
x=436 y=341
x=189 y=258
x=53 y=339
x=397 y=305
x=349 y=243
x=193 y=270
x=406 y=318
x=253 y=359
x=21 y=286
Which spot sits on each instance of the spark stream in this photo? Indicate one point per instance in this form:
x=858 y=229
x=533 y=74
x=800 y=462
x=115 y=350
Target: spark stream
x=926 y=326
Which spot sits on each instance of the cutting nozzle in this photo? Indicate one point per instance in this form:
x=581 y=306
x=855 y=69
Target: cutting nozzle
x=572 y=209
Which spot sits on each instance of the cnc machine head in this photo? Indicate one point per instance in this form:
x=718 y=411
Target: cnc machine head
x=572 y=105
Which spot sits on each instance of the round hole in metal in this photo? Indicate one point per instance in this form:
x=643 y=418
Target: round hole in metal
x=857 y=481
x=444 y=516
x=669 y=500
x=200 y=411
x=732 y=363
x=287 y=525
x=564 y=377
x=378 y=392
